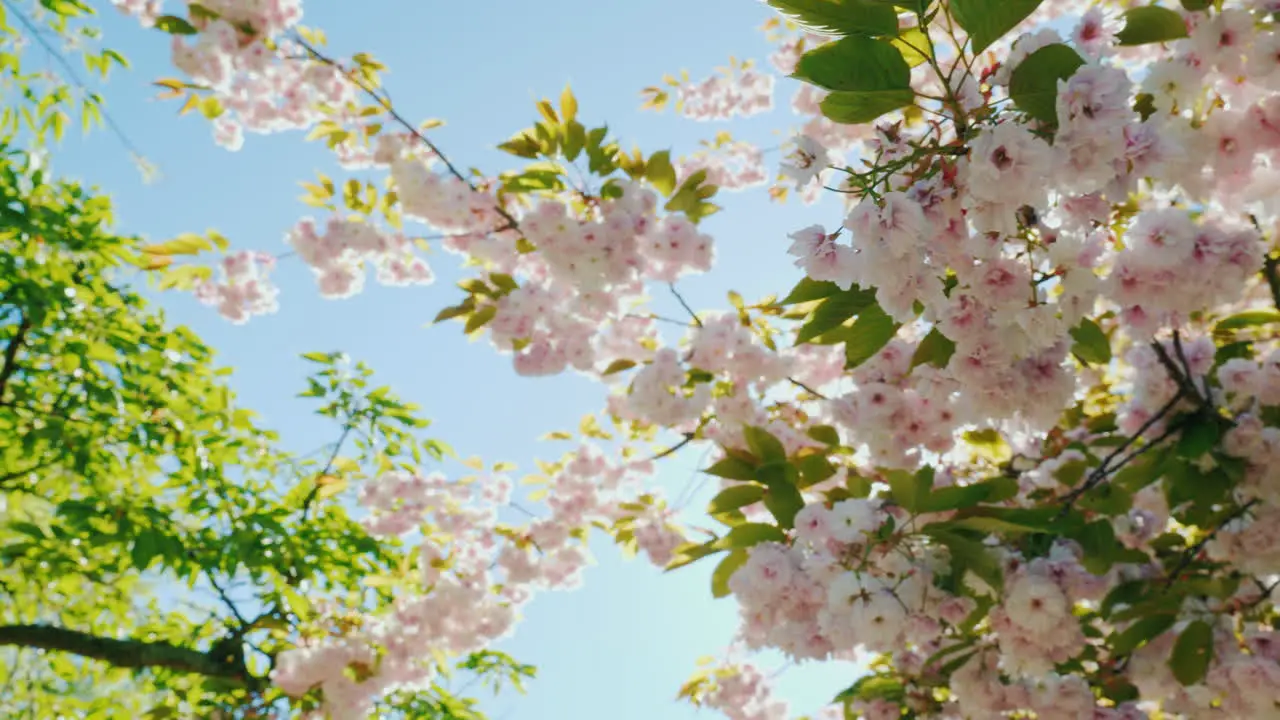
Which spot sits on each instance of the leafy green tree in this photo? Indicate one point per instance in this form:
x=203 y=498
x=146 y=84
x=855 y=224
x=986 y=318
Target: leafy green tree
x=157 y=545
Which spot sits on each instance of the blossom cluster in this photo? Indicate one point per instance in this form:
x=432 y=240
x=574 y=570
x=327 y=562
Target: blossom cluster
x=245 y=288
x=338 y=253
x=473 y=575
x=723 y=96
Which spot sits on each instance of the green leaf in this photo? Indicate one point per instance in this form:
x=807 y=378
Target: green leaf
x=523 y=145
x=814 y=469
x=733 y=498
x=725 y=570
x=1127 y=593
x=1098 y=540
x=840 y=17
x=764 y=445
x=910 y=42
x=1151 y=24
x=824 y=434
x=971 y=556
x=146 y=548
x=575 y=137
x=1199 y=438
x=834 y=311
x=1192 y=653
x=661 y=173
x=808 y=290
x=1197 y=5
x=480 y=318
x=688 y=554
x=989 y=443
x=863 y=106
x=1142 y=630
x=1071 y=472
x=174 y=25
x=986 y=21
x=749 y=534
x=1091 y=344
x=910 y=489
x=955 y=497
x=1033 y=87
x=1139 y=474
x=935 y=349
x=782 y=498
x=732 y=468
x=1250 y=318
x=870 y=333
x=855 y=64
x=618 y=366
x=991 y=525
x=867 y=77
x=874 y=687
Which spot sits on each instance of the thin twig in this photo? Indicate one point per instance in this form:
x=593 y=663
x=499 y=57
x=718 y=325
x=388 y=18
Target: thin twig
x=659 y=318
x=522 y=509
x=1189 y=556
x=688 y=438
x=1184 y=383
x=410 y=127
x=333 y=457
x=1169 y=432
x=226 y=600
x=1205 y=400
x=806 y=388
x=696 y=320
x=1105 y=469
x=110 y=121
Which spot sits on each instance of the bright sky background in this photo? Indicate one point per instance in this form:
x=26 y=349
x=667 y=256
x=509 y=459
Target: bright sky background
x=621 y=646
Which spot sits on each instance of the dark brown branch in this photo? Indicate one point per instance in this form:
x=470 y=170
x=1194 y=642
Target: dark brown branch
x=128 y=653
x=1105 y=469
x=1190 y=555
x=1186 y=385
x=11 y=354
x=226 y=600
x=1206 y=400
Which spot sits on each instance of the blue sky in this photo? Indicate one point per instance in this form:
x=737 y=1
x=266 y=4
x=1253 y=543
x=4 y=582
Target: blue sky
x=621 y=646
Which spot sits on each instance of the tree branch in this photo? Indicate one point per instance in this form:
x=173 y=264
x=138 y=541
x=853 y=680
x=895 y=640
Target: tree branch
x=395 y=115
x=328 y=466
x=806 y=388
x=128 y=653
x=75 y=79
x=1186 y=385
x=1105 y=469
x=696 y=320
x=688 y=438
x=1190 y=555
x=11 y=354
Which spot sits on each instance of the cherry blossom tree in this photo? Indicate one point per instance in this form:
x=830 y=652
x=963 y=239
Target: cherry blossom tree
x=1013 y=433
